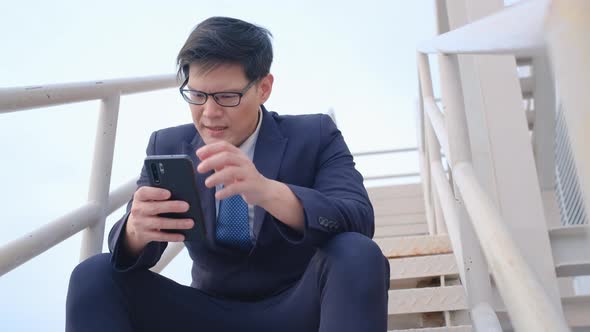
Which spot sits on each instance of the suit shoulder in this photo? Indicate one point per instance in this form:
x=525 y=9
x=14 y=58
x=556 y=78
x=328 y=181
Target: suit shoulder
x=303 y=122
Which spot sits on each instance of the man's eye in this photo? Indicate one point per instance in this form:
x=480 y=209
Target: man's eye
x=225 y=96
x=197 y=95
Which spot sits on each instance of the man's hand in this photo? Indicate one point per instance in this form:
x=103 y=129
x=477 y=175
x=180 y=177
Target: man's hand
x=235 y=171
x=239 y=176
x=144 y=225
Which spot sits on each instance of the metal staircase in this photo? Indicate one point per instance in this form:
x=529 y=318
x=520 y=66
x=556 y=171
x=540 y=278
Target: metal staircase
x=425 y=292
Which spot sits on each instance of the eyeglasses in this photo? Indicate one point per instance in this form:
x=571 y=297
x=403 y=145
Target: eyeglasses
x=225 y=99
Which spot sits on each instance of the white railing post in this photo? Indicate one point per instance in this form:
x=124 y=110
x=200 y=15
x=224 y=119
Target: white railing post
x=476 y=281
x=430 y=146
x=100 y=178
x=425 y=165
x=470 y=259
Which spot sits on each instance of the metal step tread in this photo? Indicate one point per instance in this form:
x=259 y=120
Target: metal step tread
x=575 y=308
x=395 y=191
x=399 y=219
x=400 y=205
x=429 y=299
x=572 y=269
x=423 y=266
x=571 y=250
x=420 y=245
x=462 y=328
x=401 y=230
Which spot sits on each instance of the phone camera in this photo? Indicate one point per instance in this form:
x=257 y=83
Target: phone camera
x=155 y=174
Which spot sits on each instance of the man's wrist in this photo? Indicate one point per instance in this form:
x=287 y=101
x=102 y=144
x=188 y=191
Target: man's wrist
x=269 y=192
x=129 y=246
x=282 y=204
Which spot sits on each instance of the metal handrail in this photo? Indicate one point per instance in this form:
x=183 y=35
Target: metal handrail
x=31 y=97
x=19 y=251
x=15 y=253
x=91 y=216
x=517 y=30
x=516 y=281
x=390 y=176
x=388 y=151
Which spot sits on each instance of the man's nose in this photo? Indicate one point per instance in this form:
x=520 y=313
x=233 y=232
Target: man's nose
x=211 y=108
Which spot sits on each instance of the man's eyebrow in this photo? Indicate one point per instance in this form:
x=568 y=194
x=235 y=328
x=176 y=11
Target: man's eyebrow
x=218 y=91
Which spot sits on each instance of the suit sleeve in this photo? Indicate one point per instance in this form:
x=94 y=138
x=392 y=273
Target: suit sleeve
x=337 y=202
x=152 y=252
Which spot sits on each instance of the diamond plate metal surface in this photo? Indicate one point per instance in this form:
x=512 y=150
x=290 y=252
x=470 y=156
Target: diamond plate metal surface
x=422 y=245
x=427 y=300
x=423 y=266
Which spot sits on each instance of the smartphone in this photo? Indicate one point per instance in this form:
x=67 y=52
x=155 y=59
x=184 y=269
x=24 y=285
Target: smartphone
x=176 y=173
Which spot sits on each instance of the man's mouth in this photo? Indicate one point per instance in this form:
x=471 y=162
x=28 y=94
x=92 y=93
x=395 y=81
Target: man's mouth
x=215 y=128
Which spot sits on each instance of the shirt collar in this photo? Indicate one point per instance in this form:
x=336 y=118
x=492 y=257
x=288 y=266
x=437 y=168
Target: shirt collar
x=250 y=143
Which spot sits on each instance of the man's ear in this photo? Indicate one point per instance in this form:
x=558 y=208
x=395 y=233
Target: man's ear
x=265 y=88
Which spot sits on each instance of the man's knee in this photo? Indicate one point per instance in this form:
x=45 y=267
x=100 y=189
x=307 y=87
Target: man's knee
x=355 y=254
x=95 y=266
x=90 y=276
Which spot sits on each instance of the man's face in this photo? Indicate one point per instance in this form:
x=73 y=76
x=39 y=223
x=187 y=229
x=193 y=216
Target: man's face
x=231 y=124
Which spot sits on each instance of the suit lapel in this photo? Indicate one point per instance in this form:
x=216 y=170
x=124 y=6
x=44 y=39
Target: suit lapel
x=207 y=195
x=268 y=154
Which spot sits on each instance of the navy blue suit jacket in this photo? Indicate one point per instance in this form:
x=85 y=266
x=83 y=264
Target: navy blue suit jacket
x=307 y=153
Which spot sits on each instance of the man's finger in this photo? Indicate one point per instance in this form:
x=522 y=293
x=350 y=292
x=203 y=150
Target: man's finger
x=214 y=148
x=170 y=223
x=147 y=193
x=152 y=208
x=221 y=160
x=226 y=176
x=164 y=236
x=235 y=188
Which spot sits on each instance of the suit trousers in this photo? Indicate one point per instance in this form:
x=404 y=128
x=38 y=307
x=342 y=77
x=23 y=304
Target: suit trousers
x=344 y=288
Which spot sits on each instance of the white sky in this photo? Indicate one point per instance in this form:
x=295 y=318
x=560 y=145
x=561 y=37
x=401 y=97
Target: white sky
x=355 y=57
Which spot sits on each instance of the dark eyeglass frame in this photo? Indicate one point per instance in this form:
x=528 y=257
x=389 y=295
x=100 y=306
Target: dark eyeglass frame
x=240 y=94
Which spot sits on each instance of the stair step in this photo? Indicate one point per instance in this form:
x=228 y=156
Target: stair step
x=462 y=328
x=572 y=269
x=571 y=250
x=575 y=309
x=395 y=191
x=428 y=299
x=400 y=230
x=423 y=266
x=399 y=219
x=421 y=245
x=400 y=205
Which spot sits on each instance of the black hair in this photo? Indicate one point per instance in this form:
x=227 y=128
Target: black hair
x=220 y=40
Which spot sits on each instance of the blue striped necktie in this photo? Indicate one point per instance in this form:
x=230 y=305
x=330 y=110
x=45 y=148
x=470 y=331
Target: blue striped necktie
x=233 y=229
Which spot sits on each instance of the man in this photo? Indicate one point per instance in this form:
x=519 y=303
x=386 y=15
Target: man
x=288 y=220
